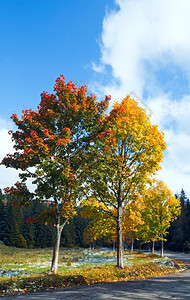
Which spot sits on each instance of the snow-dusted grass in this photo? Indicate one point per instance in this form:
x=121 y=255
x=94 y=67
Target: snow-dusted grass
x=14 y=261
x=23 y=270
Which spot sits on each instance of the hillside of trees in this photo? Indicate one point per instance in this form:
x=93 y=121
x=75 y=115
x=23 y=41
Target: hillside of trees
x=16 y=231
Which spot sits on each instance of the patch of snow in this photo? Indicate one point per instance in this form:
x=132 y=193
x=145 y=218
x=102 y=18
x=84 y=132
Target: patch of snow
x=9 y=273
x=166 y=262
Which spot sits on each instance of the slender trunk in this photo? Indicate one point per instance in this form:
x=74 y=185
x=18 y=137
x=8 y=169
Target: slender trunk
x=54 y=263
x=59 y=228
x=114 y=246
x=132 y=244
x=119 y=238
x=162 y=247
x=153 y=243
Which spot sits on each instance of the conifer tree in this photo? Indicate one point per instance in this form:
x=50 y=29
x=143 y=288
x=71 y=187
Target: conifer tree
x=14 y=227
x=179 y=232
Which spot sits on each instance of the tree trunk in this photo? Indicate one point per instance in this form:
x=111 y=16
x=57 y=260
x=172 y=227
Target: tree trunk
x=132 y=244
x=54 y=263
x=153 y=242
x=119 y=238
x=162 y=247
x=59 y=228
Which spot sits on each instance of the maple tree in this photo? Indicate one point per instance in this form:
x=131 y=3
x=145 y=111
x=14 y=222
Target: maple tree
x=162 y=208
x=128 y=151
x=132 y=219
x=51 y=146
x=102 y=226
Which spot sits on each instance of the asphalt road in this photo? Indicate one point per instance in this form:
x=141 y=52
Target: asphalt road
x=174 y=286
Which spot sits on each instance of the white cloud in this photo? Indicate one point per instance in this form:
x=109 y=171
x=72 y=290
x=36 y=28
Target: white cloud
x=97 y=68
x=8 y=176
x=143 y=32
x=173 y=118
x=146 y=46
x=169 y=113
x=176 y=165
x=175 y=179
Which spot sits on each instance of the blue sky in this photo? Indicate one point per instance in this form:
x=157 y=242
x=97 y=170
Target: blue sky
x=41 y=40
x=116 y=47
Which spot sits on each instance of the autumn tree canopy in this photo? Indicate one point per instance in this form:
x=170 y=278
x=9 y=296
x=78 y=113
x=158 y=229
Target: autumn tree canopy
x=101 y=225
x=69 y=147
x=128 y=152
x=51 y=147
x=161 y=208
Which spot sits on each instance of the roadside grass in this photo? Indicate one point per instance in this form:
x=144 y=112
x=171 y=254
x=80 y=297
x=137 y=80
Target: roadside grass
x=27 y=270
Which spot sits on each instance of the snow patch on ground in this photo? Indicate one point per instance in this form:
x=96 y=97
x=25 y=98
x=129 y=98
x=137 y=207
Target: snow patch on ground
x=87 y=257
x=165 y=262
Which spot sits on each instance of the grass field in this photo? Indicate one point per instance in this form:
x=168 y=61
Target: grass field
x=27 y=270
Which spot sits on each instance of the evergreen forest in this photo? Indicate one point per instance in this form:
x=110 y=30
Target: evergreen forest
x=16 y=231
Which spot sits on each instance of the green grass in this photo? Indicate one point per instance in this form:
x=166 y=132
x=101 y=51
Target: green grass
x=26 y=270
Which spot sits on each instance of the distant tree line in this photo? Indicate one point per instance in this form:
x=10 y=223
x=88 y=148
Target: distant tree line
x=178 y=238
x=16 y=231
